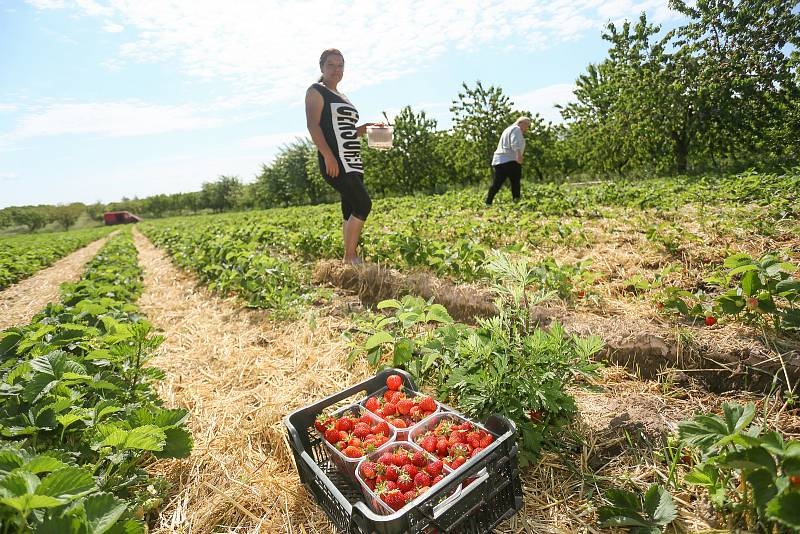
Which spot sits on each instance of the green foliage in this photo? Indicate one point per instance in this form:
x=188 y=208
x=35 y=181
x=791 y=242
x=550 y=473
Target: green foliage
x=756 y=291
x=78 y=412
x=21 y=256
x=504 y=365
x=752 y=476
x=641 y=515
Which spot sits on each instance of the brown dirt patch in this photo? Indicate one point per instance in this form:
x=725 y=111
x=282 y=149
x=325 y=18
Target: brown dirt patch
x=20 y=302
x=723 y=358
x=374 y=283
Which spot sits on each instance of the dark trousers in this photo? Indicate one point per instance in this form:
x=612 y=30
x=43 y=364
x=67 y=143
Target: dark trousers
x=511 y=170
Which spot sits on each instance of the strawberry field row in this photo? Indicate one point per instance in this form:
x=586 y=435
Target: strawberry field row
x=21 y=256
x=79 y=417
x=453 y=234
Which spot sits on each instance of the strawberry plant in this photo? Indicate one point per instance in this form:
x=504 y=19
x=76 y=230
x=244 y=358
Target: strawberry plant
x=647 y=514
x=748 y=472
x=504 y=365
x=78 y=409
x=760 y=292
x=21 y=256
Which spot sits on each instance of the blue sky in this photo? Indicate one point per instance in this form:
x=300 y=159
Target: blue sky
x=105 y=99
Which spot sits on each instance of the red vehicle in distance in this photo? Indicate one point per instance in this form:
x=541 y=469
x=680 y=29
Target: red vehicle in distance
x=119 y=217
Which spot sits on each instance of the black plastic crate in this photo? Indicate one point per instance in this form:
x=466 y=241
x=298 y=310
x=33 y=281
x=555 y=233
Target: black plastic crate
x=495 y=496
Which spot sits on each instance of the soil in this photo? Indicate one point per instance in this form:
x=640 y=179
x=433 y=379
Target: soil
x=722 y=358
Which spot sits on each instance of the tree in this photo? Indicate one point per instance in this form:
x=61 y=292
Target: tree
x=68 y=214
x=32 y=217
x=221 y=194
x=413 y=164
x=479 y=117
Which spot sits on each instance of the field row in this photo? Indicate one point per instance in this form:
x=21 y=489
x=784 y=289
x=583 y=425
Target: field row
x=674 y=245
x=21 y=256
x=79 y=416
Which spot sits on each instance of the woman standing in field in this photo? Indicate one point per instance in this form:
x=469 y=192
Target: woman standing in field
x=331 y=119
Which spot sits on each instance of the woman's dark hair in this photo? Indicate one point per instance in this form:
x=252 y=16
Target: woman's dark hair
x=324 y=57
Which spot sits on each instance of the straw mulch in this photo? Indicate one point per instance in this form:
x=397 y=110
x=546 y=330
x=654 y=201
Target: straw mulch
x=238 y=374
x=636 y=337
x=374 y=283
x=20 y=302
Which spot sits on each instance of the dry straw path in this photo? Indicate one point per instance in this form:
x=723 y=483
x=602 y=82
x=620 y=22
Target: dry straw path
x=238 y=374
x=20 y=302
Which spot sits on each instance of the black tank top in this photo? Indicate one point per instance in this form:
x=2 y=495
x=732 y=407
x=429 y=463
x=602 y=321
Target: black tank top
x=338 y=123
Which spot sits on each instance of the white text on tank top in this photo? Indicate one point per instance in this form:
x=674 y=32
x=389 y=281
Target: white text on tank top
x=344 y=118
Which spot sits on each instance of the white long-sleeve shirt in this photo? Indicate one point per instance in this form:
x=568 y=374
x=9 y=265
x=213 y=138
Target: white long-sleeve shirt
x=510 y=147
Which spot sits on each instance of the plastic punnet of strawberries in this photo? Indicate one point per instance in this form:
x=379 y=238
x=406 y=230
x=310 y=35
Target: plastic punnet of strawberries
x=454 y=441
x=400 y=475
x=400 y=410
x=353 y=436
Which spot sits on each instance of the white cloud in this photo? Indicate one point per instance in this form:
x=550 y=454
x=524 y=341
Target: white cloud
x=47 y=4
x=269 y=49
x=544 y=99
x=112 y=119
x=4 y=108
x=113 y=27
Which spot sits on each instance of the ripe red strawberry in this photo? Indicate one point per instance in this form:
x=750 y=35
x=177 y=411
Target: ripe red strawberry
x=404 y=482
x=475 y=451
x=396 y=397
x=411 y=470
x=387 y=458
x=486 y=440
x=419 y=459
x=373 y=404
x=321 y=423
x=391 y=472
x=341 y=445
x=442 y=446
x=370 y=482
x=794 y=480
x=365 y=418
x=711 y=320
x=434 y=469
x=344 y=424
x=427 y=404
x=344 y=436
x=389 y=409
x=391 y=485
x=411 y=495
x=400 y=458
x=437 y=479
x=362 y=430
x=404 y=406
x=380 y=439
x=458 y=461
x=474 y=439
x=381 y=428
x=354 y=442
x=422 y=479
x=368 y=470
x=332 y=435
x=428 y=443
x=399 y=423
x=353 y=452
x=395 y=499
x=460 y=449
x=415 y=413
x=394 y=382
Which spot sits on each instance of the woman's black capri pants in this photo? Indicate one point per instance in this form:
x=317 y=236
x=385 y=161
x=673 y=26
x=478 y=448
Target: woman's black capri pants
x=355 y=199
